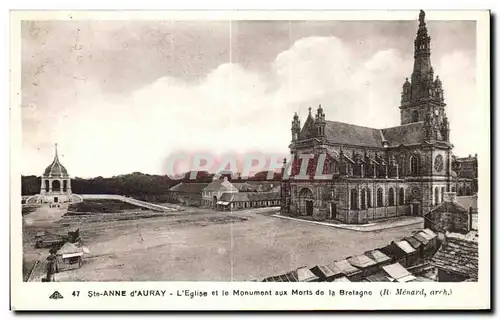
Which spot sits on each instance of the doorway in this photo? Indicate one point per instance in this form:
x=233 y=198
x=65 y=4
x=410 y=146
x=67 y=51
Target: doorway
x=56 y=199
x=309 y=207
x=333 y=210
x=416 y=209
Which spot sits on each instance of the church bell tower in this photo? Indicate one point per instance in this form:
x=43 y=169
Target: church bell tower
x=422 y=98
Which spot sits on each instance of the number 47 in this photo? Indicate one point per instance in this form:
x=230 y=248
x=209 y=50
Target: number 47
x=76 y=293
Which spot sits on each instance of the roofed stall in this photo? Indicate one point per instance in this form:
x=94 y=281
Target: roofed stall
x=402 y=252
x=379 y=257
x=365 y=264
x=398 y=273
x=327 y=273
x=350 y=271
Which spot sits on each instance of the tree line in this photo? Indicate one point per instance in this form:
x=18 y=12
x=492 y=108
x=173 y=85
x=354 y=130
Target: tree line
x=137 y=184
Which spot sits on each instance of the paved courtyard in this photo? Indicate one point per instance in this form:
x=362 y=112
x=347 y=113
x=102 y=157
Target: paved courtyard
x=208 y=246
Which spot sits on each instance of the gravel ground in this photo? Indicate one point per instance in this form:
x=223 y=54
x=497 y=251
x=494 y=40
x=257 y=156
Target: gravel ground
x=202 y=245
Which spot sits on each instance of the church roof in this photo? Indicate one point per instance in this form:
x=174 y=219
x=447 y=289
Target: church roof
x=411 y=133
x=350 y=134
x=345 y=133
x=55 y=169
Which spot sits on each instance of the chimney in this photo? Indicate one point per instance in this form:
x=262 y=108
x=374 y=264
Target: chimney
x=450 y=197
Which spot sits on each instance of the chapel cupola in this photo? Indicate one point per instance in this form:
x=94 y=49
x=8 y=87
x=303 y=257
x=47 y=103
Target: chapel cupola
x=55 y=178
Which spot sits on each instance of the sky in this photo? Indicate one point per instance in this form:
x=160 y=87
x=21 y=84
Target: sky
x=123 y=96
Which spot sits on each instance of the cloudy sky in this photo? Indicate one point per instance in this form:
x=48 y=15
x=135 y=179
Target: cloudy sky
x=122 y=96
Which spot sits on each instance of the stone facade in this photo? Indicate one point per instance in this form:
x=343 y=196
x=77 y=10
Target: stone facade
x=376 y=173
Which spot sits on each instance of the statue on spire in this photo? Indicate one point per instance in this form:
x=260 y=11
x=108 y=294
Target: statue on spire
x=421 y=17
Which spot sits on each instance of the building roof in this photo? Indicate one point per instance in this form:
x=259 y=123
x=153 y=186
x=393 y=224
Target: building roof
x=249 y=196
x=350 y=134
x=407 y=134
x=448 y=207
x=188 y=187
x=378 y=277
x=302 y=274
x=263 y=196
x=305 y=275
x=326 y=272
x=341 y=279
x=220 y=185
x=418 y=236
x=398 y=272
x=361 y=261
x=458 y=255
x=378 y=256
x=405 y=246
x=413 y=242
x=287 y=277
x=430 y=233
x=56 y=169
x=468 y=201
x=258 y=186
x=344 y=266
x=344 y=133
x=69 y=248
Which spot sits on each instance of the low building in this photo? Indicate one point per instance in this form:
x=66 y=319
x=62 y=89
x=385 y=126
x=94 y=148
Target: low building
x=212 y=193
x=401 y=252
x=458 y=259
x=187 y=193
x=449 y=216
x=418 y=246
x=243 y=200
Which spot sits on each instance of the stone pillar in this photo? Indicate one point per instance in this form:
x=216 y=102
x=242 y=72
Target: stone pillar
x=42 y=187
x=50 y=185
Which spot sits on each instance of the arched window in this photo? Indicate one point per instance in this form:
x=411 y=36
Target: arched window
x=380 y=197
x=369 y=198
x=56 y=185
x=401 y=196
x=442 y=194
x=414 y=116
x=47 y=187
x=363 y=199
x=460 y=191
x=391 y=197
x=354 y=199
x=414 y=165
x=453 y=189
x=436 y=195
x=468 y=191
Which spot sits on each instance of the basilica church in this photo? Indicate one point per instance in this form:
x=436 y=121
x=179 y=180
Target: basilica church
x=378 y=173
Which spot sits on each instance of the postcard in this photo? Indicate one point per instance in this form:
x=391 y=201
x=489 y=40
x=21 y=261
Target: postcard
x=250 y=160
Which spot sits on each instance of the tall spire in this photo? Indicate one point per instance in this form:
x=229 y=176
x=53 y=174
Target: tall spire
x=422 y=55
x=56 y=157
